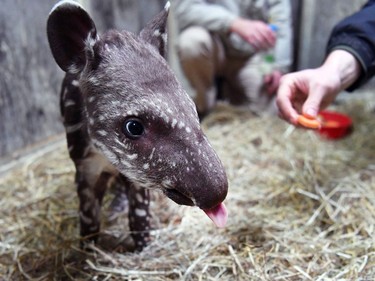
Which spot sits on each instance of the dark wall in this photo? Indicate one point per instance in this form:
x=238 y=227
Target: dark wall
x=131 y=15
x=317 y=20
x=29 y=79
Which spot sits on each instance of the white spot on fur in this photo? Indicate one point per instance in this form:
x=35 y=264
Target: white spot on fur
x=90 y=42
x=131 y=113
x=152 y=154
x=73 y=68
x=174 y=122
x=140 y=213
x=73 y=128
x=164 y=37
x=132 y=156
x=75 y=83
x=157 y=33
x=167 y=183
x=93 y=80
x=109 y=154
x=117 y=150
x=102 y=133
x=68 y=103
x=181 y=125
x=115 y=103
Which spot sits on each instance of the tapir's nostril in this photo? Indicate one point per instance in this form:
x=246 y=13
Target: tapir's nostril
x=216 y=194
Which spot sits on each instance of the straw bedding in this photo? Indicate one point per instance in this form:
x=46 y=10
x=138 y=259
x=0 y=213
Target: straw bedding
x=300 y=208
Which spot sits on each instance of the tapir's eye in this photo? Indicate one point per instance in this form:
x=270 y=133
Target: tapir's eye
x=133 y=128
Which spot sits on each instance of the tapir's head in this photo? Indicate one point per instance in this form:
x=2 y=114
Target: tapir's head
x=138 y=115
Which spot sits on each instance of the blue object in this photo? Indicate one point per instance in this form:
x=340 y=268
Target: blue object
x=269 y=56
x=273 y=27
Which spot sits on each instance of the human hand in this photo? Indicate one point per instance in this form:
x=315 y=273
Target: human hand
x=306 y=92
x=272 y=82
x=256 y=33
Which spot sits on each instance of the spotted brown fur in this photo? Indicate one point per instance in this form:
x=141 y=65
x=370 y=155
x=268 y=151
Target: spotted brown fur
x=117 y=81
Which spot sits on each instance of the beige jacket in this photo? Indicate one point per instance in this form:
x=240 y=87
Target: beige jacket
x=217 y=16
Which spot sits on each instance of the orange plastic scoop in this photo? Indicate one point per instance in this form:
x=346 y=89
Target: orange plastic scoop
x=309 y=122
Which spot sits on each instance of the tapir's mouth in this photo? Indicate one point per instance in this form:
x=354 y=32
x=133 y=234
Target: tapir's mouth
x=218 y=214
x=178 y=197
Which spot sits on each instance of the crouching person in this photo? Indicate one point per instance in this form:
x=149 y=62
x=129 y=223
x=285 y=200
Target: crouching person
x=239 y=49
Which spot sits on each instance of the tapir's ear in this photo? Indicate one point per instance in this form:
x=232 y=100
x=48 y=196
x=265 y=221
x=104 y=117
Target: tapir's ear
x=70 y=29
x=155 y=32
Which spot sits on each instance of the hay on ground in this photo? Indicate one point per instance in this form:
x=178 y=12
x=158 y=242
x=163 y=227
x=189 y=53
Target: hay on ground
x=300 y=208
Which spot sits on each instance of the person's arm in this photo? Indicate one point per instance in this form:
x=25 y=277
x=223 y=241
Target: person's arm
x=356 y=35
x=309 y=91
x=225 y=20
x=349 y=64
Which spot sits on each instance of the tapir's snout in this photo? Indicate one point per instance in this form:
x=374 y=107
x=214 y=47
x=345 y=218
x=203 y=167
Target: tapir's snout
x=205 y=193
x=203 y=184
x=212 y=190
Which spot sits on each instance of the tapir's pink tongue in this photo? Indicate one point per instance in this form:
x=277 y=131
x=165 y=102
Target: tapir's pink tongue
x=218 y=215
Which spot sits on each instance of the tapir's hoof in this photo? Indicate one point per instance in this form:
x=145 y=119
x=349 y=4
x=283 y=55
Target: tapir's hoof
x=115 y=244
x=108 y=243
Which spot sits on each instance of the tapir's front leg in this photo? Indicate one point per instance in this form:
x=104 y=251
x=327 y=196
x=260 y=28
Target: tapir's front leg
x=139 y=215
x=90 y=192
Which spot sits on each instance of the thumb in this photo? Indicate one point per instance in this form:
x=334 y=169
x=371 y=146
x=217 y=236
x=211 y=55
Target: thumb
x=311 y=107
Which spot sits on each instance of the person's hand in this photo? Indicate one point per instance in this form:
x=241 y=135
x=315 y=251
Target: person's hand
x=306 y=92
x=256 y=33
x=272 y=81
x=309 y=91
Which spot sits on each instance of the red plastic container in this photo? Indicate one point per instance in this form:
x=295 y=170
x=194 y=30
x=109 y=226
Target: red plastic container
x=335 y=125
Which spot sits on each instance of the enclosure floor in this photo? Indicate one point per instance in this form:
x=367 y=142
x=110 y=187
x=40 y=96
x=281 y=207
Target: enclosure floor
x=300 y=208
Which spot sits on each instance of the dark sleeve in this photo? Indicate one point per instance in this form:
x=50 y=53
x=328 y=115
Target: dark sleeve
x=356 y=34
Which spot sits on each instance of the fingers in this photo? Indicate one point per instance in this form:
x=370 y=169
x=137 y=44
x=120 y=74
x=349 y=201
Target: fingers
x=285 y=93
x=262 y=37
x=267 y=79
x=256 y=33
x=312 y=105
x=306 y=92
x=272 y=82
x=275 y=82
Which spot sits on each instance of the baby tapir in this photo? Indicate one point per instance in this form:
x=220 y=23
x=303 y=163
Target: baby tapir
x=126 y=116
